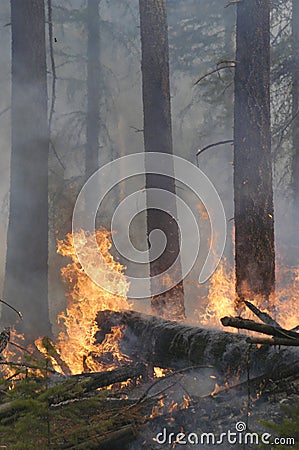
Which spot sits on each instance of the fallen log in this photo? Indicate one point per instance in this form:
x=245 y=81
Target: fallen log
x=103 y=379
x=81 y=384
x=173 y=345
x=274 y=341
x=247 y=324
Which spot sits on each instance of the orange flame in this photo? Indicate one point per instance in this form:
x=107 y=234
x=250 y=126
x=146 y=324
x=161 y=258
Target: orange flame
x=283 y=304
x=85 y=299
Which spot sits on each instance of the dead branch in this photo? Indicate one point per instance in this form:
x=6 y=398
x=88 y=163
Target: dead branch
x=20 y=348
x=137 y=130
x=102 y=379
x=27 y=366
x=213 y=71
x=96 y=380
x=263 y=316
x=4 y=339
x=4 y=110
x=247 y=324
x=56 y=154
x=215 y=144
x=232 y=2
x=274 y=341
x=11 y=307
x=177 y=372
x=53 y=68
x=52 y=353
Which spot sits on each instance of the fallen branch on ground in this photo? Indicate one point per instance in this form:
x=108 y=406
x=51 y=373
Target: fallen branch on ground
x=274 y=341
x=246 y=324
x=263 y=316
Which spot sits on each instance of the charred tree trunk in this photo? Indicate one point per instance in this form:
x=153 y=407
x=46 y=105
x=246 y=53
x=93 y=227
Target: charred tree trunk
x=253 y=191
x=158 y=138
x=93 y=83
x=169 y=344
x=26 y=281
x=295 y=103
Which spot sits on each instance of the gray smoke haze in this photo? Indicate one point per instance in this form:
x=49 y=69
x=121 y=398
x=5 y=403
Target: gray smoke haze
x=200 y=35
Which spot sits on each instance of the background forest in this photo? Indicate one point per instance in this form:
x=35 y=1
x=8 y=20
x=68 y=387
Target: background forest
x=201 y=40
x=83 y=83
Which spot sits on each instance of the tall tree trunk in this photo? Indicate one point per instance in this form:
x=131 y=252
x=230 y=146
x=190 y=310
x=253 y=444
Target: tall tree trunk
x=295 y=104
x=158 y=138
x=253 y=191
x=26 y=282
x=93 y=80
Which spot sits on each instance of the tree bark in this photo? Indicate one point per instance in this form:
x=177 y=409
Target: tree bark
x=93 y=83
x=158 y=138
x=26 y=280
x=295 y=103
x=168 y=344
x=253 y=191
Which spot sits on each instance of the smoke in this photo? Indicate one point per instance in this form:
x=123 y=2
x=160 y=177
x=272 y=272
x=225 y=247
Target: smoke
x=200 y=35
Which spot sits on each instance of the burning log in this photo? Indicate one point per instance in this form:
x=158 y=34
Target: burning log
x=170 y=344
x=247 y=324
x=85 y=383
x=102 y=379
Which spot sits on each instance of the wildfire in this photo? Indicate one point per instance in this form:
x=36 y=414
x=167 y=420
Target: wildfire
x=158 y=410
x=159 y=372
x=85 y=299
x=13 y=353
x=75 y=348
x=169 y=407
x=221 y=299
x=186 y=402
x=75 y=343
x=283 y=304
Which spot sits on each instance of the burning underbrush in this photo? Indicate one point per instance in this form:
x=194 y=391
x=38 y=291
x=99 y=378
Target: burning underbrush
x=162 y=374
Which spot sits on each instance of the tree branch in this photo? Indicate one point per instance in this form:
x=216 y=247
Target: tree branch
x=273 y=341
x=215 y=144
x=213 y=71
x=4 y=110
x=53 y=68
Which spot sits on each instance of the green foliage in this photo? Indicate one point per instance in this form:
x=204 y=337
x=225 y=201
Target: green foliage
x=28 y=419
x=287 y=427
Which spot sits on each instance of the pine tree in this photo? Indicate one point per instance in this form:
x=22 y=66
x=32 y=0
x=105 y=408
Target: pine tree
x=295 y=102
x=26 y=282
x=158 y=138
x=253 y=192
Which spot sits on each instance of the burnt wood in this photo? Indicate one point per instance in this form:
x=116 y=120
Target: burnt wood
x=170 y=344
